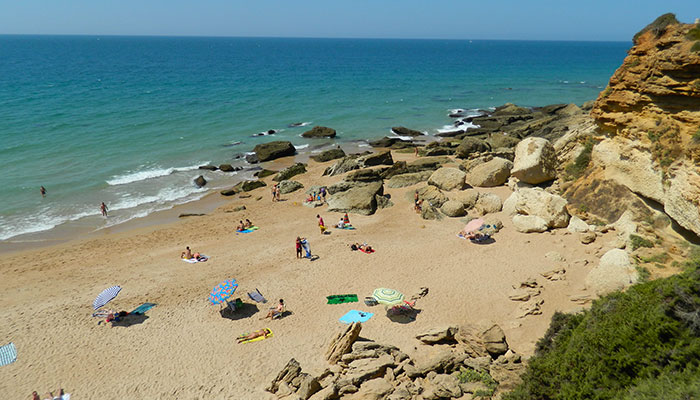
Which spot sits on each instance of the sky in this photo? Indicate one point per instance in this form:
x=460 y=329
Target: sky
x=611 y=20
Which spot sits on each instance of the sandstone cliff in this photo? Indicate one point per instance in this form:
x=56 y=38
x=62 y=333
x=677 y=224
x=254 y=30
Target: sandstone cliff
x=650 y=115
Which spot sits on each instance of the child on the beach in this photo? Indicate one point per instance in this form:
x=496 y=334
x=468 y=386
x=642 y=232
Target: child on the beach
x=321 y=224
x=298 y=247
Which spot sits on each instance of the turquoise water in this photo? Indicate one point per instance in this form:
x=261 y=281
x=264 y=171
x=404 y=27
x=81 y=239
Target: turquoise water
x=126 y=120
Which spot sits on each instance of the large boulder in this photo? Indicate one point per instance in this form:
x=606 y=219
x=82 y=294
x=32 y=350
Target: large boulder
x=226 y=168
x=502 y=140
x=380 y=158
x=482 y=339
x=447 y=178
x=438 y=335
x=247 y=186
x=491 y=173
x=363 y=175
x=393 y=142
x=453 y=208
x=328 y=155
x=342 y=342
x=471 y=145
x=272 y=150
x=347 y=163
x=319 y=132
x=432 y=196
x=403 y=180
x=529 y=223
x=535 y=161
x=296 y=169
x=427 y=163
x=397 y=168
x=401 y=131
x=550 y=207
x=289 y=186
x=467 y=197
x=200 y=181
x=360 y=198
x=614 y=272
x=488 y=203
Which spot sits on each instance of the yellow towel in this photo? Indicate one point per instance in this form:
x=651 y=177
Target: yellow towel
x=258 y=338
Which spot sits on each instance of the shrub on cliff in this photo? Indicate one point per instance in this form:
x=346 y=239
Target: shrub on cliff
x=658 y=27
x=641 y=344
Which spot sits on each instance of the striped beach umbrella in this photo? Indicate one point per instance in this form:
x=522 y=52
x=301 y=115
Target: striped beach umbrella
x=388 y=297
x=223 y=291
x=106 y=296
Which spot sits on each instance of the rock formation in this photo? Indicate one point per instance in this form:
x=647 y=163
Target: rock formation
x=272 y=150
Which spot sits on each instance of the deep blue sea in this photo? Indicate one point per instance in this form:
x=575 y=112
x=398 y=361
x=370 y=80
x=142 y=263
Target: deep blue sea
x=126 y=120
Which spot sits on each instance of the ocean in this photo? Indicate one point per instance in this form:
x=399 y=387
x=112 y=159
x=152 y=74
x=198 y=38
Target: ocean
x=127 y=120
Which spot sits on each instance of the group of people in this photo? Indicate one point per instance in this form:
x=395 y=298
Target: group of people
x=274 y=312
x=50 y=396
x=275 y=192
x=188 y=255
x=244 y=225
x=417 y=203
x=302 y=243
x=103 y=206
x=320 y=196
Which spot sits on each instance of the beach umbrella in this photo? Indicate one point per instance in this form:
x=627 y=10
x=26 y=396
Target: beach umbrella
x=223 y=291
x=388 y=297
x=105 y=297
x=473 y=225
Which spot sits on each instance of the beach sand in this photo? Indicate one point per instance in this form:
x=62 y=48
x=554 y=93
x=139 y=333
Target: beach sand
x=185 y=349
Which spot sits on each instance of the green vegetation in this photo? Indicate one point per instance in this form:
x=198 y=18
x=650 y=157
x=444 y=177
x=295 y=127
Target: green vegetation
x=638 y=241
x=653 y=136
x=694 y=33
x=606 y=92
x=470 y=375
x=643 y=272
x=696 y=136
x=658 y=27
x=575 y=170
x=641 y=344
x=695 y=47
x=656 y=258
x=633 y=62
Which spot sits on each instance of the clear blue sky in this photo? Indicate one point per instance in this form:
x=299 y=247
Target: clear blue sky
x=615 y=20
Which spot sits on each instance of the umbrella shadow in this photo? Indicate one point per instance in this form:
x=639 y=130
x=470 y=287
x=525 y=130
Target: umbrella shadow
x=247 y=310
x=404 y=316
x=131 y=319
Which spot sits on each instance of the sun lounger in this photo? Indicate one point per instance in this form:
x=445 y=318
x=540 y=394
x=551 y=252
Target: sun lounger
x=269 y=335
x=341 y=298
x=8 y=354
x=257 y=297
x=140 y=310
x=355 y=316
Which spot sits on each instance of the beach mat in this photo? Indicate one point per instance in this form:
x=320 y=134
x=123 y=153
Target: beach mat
x=259 y=338
x=249 y=230
x=356 y=316
x=341 y=298
x=194 y=260
x=346 y=227
x=143 y=308
x=8 y=354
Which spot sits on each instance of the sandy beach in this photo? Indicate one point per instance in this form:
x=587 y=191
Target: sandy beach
x=185 y=349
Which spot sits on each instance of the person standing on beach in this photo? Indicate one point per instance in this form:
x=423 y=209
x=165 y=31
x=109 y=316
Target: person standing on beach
x=323 y=193
x=321 y=224
x=43 y=191
x=298 y=247
x=274 y=192
x=103 y=209
x=277 y=192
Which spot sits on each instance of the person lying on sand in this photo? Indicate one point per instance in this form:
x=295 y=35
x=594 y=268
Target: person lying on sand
x=187 y=254
x=274 y=312
x=116 y=317
x=253 y=335
x=470 y=235
x=363 y=247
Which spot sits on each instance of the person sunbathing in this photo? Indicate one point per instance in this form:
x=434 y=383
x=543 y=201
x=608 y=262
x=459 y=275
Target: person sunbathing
x=187 y=254
x=363 y=247
x=248 y=224
x=241 y=226
x=275 y=312
x=470 y=235
x=253 y=335
x=116 y=317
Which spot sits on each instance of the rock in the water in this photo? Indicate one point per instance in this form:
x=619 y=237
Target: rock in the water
x=272 y=150
x=342 y=342
x=228 y=192
x=319 y=132
x=403 y=180
x=432 y=196
x=289 y=186
x=488 y=203
x=200 y=181
x=535 y=161
x=491 y=173
x=438 y=335
x=576 y=224
x=453 y=208
x=537 y=202
x=359 y=199
x=380 y=158
x=448 y=179
x=529 y=223
x=471 y=145
x=401 y=131
x=467 y=197
x=226 y=168
x=393 y=142
x=208 y=167
x=328 y=155
x=614 y=272
x=285 y=174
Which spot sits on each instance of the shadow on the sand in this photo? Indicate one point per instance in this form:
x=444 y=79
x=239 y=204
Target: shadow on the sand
x=131 y=319
x=484 y=241
x=314 y=258
x=403 y=317
x=247 y=310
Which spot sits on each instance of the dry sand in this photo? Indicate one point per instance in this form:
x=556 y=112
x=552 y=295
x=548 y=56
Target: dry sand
x=185 y=349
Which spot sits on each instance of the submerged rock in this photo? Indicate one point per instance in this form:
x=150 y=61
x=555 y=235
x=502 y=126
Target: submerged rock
x=319 y=132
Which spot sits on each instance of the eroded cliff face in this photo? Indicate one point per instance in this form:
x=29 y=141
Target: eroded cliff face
x=650 y=115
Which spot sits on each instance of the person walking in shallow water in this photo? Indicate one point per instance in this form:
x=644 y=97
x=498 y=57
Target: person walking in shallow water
x=103 y=209
x=43 y=191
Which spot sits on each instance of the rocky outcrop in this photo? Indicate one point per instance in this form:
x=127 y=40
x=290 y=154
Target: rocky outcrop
x=403 y=180
x=448 y=179
x=296 y=169
x=453 y=208
x=319 y=132
x=342 y=342
x=358 y=198
x=614 y=272
x=650 y=113
x=379 y=158
x=491 y=173
x=535 y=161
x=431 y=196
x=328 y=155
x=200 y=181
x=470 y=146
x=401 y=131
x=537 y=202
x=289 y=186
x=353 y=162
x=273 y=150
x=488 y=203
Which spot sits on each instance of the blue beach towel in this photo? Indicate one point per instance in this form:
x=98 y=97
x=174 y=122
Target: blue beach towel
x=143 y=308
x=8 y=354
x=356 y=316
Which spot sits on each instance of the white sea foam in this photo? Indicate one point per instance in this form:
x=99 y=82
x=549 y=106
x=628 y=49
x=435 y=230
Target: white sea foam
x=136 y=176
x=301 y=146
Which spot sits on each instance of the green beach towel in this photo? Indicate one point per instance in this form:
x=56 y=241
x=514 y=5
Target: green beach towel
x=143 y=308
x=341 y=298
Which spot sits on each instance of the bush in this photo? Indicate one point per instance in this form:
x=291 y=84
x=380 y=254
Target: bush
x=638 y=241
x=643 y=272
x=695 y=47
x=576 y=168
x=694 y=33
x=641 y=344
x=696 y=136
x=470 y=375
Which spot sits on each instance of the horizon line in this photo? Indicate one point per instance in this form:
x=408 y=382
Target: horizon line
x=302 y=37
